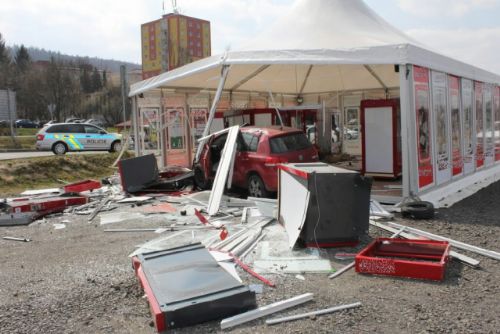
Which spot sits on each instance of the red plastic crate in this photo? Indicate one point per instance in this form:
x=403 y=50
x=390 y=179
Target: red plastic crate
x=82 y=186
x=421 y=259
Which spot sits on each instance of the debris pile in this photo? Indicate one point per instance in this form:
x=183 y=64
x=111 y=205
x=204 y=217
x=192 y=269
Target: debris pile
x=203 y=241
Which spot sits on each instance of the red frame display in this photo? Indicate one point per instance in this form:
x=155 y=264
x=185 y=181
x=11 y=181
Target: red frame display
x=457 y=158
x=420 y=259
x=425 y=167
x=396 y=134
x=478 y=102
x=496 y=104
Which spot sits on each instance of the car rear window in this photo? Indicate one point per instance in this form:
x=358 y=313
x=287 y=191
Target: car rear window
x=288 y=143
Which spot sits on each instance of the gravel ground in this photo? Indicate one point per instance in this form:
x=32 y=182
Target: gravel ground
x=79 y=280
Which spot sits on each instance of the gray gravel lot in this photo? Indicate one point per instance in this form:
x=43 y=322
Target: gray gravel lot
x=80 y=280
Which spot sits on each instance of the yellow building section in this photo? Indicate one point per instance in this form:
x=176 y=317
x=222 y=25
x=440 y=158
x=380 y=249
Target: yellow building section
x=151 y=46
x=206 y=40
x=183 y=42
x=173 y=45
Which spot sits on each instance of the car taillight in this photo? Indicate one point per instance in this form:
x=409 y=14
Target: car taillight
x=40 y=137
x=274 y=161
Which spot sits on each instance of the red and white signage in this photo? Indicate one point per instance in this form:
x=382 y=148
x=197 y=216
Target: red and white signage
x=424 y=133
x=456 y=128
x=478 y=94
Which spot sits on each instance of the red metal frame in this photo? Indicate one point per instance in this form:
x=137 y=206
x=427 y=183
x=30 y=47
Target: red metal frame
x=420 y=259
x=154 y=307
x=396 y=149
x=294 y=171
x=82 y=186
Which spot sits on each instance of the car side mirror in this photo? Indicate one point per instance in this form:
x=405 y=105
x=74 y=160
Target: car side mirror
x=102 y=132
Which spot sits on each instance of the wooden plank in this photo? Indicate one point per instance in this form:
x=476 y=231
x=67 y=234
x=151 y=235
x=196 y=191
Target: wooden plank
x=265 y=310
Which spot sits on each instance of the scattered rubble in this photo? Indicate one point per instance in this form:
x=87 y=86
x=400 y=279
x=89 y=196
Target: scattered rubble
x=192 y=235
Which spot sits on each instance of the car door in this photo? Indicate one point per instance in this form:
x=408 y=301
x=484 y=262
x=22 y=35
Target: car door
x=247 y=145
x=73 y=136
x=95 y=139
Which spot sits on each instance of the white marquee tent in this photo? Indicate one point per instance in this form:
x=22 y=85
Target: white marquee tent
x=322 y=46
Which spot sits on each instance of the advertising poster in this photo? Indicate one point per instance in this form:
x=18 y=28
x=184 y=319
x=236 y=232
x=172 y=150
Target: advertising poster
x=456 y=125
x=478 y=94
x=424 y=139
x=468 y=126
x=441 y=119
x=176 y=129
x=198 y=123
x=489 y=150
x=497 y=123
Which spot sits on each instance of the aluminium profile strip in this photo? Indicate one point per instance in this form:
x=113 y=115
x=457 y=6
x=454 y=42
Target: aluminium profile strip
x=454 y=243
x=314 y=313
x=265 y=310
x=461 y=257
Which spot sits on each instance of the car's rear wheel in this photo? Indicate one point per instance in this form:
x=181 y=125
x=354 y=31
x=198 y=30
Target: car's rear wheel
x=256 y=187
x=116 y=147
x=59 y=148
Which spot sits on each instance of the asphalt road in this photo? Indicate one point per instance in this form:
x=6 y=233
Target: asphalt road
x=33 y=154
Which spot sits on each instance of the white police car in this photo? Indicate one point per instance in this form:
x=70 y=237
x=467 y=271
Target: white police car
x=63 y=137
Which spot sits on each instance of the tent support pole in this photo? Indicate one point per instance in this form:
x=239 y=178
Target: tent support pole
x=135 y=113
x=372 y=72
x=250 y=77
x=305 y=80
x=213 y=108
x=408 y=135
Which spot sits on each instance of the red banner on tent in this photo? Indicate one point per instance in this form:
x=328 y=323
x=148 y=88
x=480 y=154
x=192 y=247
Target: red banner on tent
x=456 y=120
x=424 y=138
x=497 y=122
x=478 y=95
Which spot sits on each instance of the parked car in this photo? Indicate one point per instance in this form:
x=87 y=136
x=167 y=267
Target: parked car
x=96 y=122
x=25 y=123
x=74 y=120
x=63 y=137
x=259 y=152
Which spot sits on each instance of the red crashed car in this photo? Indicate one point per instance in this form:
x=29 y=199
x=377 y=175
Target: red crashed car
x=259 y=151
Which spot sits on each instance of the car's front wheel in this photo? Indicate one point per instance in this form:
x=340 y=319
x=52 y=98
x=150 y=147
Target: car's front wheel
x=256 y=187
x=59 y=148
x=116 y=147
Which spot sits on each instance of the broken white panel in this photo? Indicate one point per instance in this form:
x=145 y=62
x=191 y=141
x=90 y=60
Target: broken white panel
x=277 y=257
x=159 y=243
x=267 y=206
x=41 y=191
x=293 y=203
x=117 y=217
x=221 y=176
x=231 y=269
x=377 y=210
x=135 y=199
x=220 y=256
x=291 y=266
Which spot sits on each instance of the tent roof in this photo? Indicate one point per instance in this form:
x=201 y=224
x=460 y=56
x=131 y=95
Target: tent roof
x=319 y=46
x=328 y=24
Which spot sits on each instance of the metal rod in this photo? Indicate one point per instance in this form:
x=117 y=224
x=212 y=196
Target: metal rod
x=314 y=313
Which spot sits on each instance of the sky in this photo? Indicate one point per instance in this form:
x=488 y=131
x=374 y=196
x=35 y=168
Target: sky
x=468 y=30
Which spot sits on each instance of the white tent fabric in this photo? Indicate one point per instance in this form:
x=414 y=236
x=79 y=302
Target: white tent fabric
x=329 y=45
x=330 y=24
